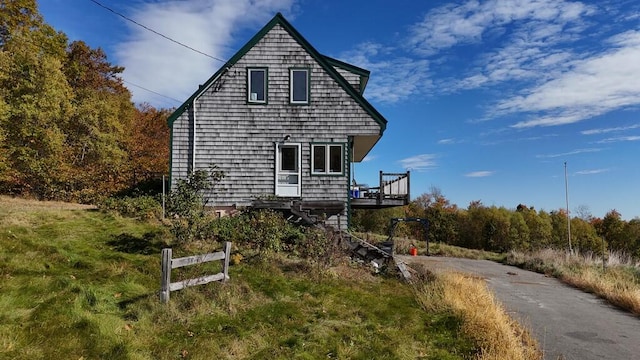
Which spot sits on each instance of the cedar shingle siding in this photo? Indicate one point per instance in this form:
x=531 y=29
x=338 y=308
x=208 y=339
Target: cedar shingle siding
x=240 y=137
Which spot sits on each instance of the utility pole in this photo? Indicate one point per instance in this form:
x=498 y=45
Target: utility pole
x=566 y=191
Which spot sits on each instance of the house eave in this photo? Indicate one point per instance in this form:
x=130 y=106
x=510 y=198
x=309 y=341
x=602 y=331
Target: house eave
x=362 y=145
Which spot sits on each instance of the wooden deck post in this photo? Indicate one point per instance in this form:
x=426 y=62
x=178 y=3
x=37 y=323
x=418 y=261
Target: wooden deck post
x=380 y=190
x=408 y=187
x=166 y=275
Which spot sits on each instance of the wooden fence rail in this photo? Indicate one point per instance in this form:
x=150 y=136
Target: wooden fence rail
x=168 y=263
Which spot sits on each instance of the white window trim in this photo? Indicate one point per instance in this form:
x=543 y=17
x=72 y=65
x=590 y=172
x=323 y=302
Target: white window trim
x=291 y=87
x=327 y=159
x=266 y=73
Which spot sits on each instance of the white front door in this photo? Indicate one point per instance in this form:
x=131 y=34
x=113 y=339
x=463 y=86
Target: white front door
x=288 y=170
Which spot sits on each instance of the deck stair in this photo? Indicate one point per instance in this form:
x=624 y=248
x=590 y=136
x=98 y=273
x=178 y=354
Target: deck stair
x=377 y=254
x=308 y=212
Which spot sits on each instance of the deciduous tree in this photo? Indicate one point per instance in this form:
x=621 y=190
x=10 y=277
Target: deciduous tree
x=38 y=97
x=148 y=143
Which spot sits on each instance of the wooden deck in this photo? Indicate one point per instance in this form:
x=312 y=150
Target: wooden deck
x=377 y=203
x=393 y=190
x=308 y=211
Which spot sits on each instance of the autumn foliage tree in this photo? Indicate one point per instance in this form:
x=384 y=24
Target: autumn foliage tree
x=501 y=229
x=148 y=144
x=68 y=127
x=38 y=98
x=100 y=122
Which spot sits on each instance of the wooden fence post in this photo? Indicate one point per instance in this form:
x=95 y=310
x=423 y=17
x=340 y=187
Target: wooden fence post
x=225 y=267
x=166 y=275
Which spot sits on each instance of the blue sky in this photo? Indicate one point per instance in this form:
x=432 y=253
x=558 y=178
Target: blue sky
x=486 y=100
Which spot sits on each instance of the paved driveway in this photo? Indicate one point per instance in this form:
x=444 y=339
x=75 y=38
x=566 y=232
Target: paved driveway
x=568 y=323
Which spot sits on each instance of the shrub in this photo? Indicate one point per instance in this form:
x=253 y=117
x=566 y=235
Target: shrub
x=186 y=203
x=321 y=247
x=141 y=207
x=266 y=231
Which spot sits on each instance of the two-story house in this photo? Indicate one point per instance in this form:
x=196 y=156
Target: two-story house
x=284 y=123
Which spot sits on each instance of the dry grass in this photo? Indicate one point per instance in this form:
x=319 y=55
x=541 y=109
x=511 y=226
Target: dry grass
x=18 y=211
x=496 y=335
x=617 y=281
x=9 y=203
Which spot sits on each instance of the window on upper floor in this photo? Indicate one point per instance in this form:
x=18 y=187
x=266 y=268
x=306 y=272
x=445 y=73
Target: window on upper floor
x=299 y=86
x=257 y=85
x=328 y=159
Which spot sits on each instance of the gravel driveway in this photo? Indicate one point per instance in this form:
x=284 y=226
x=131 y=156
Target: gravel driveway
x=568 y=323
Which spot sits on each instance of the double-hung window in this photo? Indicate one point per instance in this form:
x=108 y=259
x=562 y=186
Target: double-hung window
x=299 y=86
x=328 y=159
x=257 y=85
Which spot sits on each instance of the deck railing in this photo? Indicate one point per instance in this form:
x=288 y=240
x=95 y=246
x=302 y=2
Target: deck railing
x=391 y=186
x=394 y=185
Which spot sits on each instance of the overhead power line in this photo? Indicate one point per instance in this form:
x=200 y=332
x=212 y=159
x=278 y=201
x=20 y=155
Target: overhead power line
x=114 y=76
x=155 y=32
x=153 y=92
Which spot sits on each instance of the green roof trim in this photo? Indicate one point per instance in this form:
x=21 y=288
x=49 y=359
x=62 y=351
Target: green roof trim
x=325 y=62
x=363 y=73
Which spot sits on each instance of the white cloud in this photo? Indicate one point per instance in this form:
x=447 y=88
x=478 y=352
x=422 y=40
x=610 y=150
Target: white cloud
x=538 y=47
x=593 y=86
x=447 y=141
x=608 y=130
x=574 y=152
x=393 y=78
x=206 y=25
x=618 y=139
x=479 y=174
x=470 y=22
x=419 y=162
x=591 y=172
x=520 y=139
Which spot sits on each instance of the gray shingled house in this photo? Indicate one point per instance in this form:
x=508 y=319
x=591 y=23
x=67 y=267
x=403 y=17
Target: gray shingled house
x=284 y=123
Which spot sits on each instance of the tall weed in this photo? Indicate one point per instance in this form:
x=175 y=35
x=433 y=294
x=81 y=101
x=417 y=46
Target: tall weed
x=496 y=335
x=615 y=278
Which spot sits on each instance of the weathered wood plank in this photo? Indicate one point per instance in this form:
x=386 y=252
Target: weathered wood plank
x=196 y=259
x=227 y=256
x=166 y=275
x=167 y=286
x=179 y=285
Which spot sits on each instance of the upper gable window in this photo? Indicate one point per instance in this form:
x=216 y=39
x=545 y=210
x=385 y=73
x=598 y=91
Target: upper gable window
x=257 y=85
x=299 y=86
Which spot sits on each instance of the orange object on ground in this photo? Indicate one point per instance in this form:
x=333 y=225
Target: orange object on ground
x=413 y=251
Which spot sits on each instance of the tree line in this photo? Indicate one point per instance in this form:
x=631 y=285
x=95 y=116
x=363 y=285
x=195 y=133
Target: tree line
x=501 y=229
x=68 y=127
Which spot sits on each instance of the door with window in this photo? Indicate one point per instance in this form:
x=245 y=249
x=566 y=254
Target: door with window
x=288 y=170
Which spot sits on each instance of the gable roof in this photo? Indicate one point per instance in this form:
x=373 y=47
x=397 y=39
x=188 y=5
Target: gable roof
x=363 y=73
x=325 y=63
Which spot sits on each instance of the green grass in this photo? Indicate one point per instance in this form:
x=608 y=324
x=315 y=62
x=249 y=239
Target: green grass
x=441 y=249
x=402 y=246
x=78 y=283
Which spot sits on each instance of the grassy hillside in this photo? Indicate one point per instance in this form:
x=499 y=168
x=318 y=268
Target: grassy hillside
x=78 y=283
